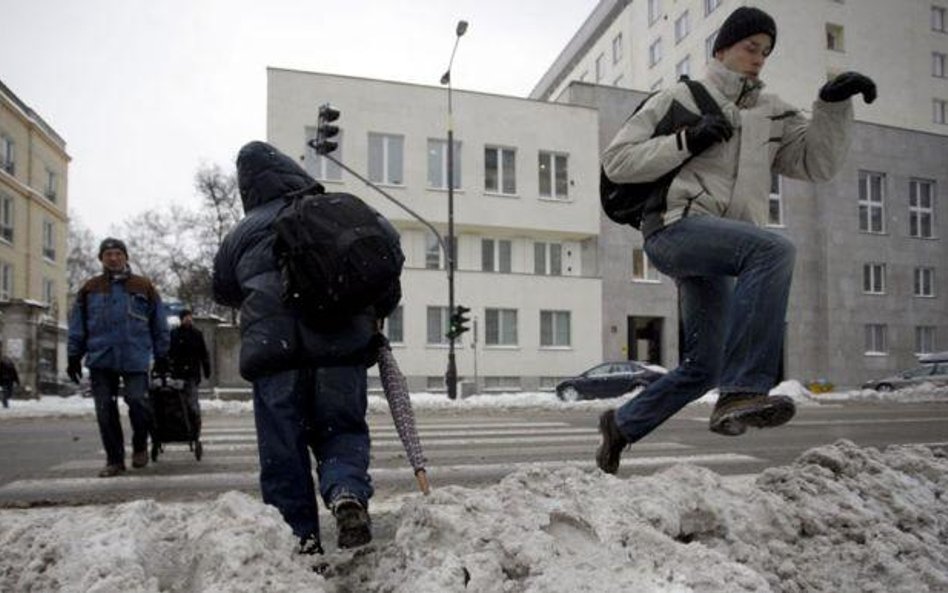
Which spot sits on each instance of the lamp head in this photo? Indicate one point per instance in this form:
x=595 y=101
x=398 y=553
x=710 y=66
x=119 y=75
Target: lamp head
x=462 y=28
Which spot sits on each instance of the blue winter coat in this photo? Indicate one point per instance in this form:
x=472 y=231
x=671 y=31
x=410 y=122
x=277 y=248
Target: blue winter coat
x=117 y=324
x=274 y=337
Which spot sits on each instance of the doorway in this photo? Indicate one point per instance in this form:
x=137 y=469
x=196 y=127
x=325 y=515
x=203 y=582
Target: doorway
x=645 y=339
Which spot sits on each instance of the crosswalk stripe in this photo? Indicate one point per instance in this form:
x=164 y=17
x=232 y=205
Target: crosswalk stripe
x=423 y=434
x=422 y=426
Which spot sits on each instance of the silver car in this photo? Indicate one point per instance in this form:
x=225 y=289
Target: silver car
x=933 y=368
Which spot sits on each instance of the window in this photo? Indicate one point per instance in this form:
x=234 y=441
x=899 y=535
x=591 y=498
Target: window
x=834 y=37
x=871 y=202
x=642 y=270
x=940 y=111
x=386 y=158
x=938 y=65
x=617 y=48
x=709 y=46
x=395 y=326
x=495 y=255
x=921 y=208
x=6 y=281
x=654 y=10
x=438 y=320
x=436 y=383
x=49 y=240
x=710 y=6
x=655 y=52
x=51 y=184
x=501 y=327
x=924 y=339
x=682 y=26
x=554 y=328
x=547 y=259
x=924 y=282
x=7 y=154
x=600 y=68
x=435 y=258
x=49 y=291
x=873 y=278
x=319 y=166
x=500 y=170
x=938 y=18
x=775 y=202
x=876 y=338
x=6 y=218
x=501 y=383
x=553 y=175
x=438 y=164
x=683 y=68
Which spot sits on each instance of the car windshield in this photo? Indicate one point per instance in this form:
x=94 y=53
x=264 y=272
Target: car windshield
x=921 y=371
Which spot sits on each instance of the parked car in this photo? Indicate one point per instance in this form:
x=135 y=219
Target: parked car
x=609 y=379
x=933 y=368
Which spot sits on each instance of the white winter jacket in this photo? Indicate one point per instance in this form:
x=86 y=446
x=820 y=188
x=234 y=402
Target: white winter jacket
x=730 y=179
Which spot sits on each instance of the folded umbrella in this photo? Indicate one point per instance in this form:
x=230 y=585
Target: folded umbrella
x=399 y=403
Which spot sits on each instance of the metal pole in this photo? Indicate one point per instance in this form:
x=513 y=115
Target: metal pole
x=451 y=376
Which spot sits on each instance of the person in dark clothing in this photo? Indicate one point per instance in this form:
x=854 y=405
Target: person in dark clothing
x=8 y=378
x=118 y=323
x=309 y=386
x=188 y=358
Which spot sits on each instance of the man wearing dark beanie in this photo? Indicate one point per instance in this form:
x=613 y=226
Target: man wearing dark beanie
x=118 y=323
x=702 y=226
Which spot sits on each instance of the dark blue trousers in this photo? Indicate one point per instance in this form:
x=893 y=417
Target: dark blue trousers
x=105 y=388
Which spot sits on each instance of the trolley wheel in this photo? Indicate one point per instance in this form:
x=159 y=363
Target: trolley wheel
x=155 y=449
x=198 y=450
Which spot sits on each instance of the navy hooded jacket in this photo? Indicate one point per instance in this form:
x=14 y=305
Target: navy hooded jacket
x=274 y=337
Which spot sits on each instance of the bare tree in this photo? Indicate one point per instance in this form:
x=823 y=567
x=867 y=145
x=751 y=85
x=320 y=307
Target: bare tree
x=82 y=257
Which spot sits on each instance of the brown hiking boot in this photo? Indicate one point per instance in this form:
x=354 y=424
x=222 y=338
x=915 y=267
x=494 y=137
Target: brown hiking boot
x=112 y=470
x=610 y=450
x=140 y=459
x=734 y=412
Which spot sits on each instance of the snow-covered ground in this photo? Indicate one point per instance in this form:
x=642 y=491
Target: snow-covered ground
x=841 y=518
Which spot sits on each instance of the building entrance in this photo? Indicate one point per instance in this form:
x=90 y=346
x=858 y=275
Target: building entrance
x=645 y=339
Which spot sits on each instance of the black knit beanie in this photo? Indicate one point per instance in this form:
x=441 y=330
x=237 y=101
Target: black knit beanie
x=111 y=243
x=741 y=24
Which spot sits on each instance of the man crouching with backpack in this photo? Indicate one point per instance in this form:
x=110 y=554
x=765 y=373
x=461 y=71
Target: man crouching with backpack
x=309 y=386
x=733 y=276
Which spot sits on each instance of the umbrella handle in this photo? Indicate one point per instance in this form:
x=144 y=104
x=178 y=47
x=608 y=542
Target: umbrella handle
x=422 y=478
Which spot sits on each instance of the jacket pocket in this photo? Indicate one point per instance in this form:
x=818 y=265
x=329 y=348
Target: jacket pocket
x=138 y=307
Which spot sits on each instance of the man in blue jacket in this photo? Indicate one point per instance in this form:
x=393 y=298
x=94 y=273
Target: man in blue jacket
x=309 y=386
x=118 y=323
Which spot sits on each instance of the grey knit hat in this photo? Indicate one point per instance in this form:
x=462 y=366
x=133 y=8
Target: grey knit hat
x=111 y=243
x=741 y=24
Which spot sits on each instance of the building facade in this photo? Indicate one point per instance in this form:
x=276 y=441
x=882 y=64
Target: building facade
x=870 y=284
x=526 y=219
x=33 y=230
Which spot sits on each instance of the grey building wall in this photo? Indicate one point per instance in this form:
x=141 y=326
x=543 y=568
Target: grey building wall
x=828 y=312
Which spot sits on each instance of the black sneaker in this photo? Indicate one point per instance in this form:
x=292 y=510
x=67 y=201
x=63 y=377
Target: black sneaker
x=734 y=412
x=607 y=456
x=112 y=470
x=353 y=524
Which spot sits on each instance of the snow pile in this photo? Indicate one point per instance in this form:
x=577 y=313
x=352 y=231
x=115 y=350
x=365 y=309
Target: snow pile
x=925 y=392
x=840 y=518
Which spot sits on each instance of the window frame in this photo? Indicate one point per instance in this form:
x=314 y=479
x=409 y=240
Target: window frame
x=441 y=145
x=654 y=11
x=877 y=339
x=49 y=240
x=544 y=265
x=642 y=269
x=939 y=63
x=501 y=255
x=6 y=281
x=550 y=329
x=617 y=48
x=7 y=218
x=682 y=26
x=500 y=327
x=444 y=320
x=869 y=204
x=926 y=339
x=920 y=215
x=388 y=140
x=554 y=169
x=600 y=67
x=835 y=38
x=939 y=111
x=923 y=282
x=873 y=278
x=710 y=6
x=938 y=14
x=655 y=52
x=7 y=154
x=500 y=175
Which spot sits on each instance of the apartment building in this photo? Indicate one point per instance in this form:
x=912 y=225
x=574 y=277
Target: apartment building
x=870 y=285
x=33 y=231
x=526 y=219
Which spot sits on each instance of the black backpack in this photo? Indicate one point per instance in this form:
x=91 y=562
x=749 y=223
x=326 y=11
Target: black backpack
x=628 y=203
x=337 y=257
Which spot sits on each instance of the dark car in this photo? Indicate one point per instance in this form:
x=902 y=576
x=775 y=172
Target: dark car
x=933 y=368
x=609 y=379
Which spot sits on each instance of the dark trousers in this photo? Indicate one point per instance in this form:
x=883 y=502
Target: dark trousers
x=105 y=388
x=191 y=395
x=7 y=392
x=322 y=410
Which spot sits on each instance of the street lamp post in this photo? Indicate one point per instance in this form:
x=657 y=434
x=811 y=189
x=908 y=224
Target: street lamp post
x=451 y=376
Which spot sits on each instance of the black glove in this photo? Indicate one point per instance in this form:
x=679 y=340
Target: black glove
x=74 y=369
x=710 y=130
x=207 y=372
x=161 y=365
x=846 y=85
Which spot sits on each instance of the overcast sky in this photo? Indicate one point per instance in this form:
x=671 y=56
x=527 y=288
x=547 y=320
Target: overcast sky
x=146 y=91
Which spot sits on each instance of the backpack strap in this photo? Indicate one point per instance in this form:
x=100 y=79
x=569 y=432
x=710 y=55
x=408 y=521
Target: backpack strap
x=703 y=98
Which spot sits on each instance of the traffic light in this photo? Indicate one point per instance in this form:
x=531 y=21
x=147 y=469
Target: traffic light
x=325 y=130
x=459 y=320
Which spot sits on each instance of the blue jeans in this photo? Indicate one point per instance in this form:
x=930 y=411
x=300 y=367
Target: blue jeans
x=734 y=282
x=319 y=409
x=105 y=387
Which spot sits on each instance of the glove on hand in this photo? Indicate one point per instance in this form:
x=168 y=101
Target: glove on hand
x=710 y=130
x=846 y=85
x=161 y=365
x=74 y=369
